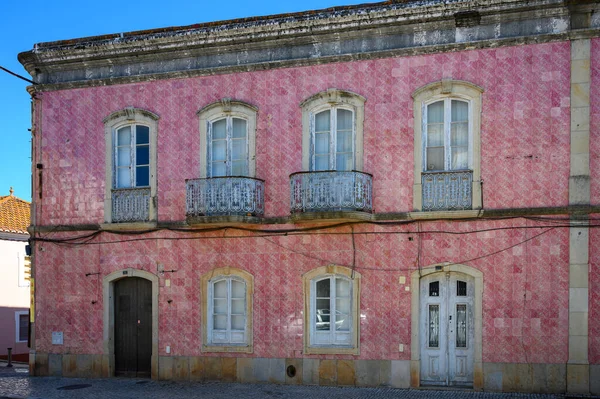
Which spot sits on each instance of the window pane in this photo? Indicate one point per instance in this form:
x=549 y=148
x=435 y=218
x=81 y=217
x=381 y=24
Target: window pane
x=124 y=136
x=461 y=326
x=459 y=134
x=220 y=306
x=323 y=316
x=219 y=129
x=220 y=289
x=435 y=158
x=323 y=288
x=238 y=289
x=123 y=177
x=219 y=150
x=434 y=288
x=238 y=306
x=220 y=322
x=322 y=143
x=342 y=288
x=435 y=134
x=434 y=326
x=460 y=111
x=344 y=162
x=460 y=158
x=344 y=119
x=461 y=288
x=142 y=176
x=218 y=169
x=238 y=149
x=23 y=327
x=142 y=135
x=322 y=162
x=237 y=323
x=435 y=112
x=344 y=142
x=142 y=155
x=123 y=157
x=322 y=121
x=239 y=128
x=239 y=168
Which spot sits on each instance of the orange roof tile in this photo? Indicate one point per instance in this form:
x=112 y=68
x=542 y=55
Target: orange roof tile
x=14 y=214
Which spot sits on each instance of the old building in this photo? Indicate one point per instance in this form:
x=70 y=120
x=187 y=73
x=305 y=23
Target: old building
x=14 y=277
x=399 y=193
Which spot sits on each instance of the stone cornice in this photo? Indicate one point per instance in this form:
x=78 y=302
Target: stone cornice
x=339 y=34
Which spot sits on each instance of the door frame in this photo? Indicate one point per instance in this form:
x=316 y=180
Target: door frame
x=415 y=342
x=108 y=343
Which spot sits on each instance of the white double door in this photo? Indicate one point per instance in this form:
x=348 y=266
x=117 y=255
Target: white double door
x=446 y=329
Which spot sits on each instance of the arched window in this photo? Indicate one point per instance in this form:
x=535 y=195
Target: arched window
x=227 y=310
x=331 y=310
x=131 y=165
x=227 y=139
x=332 y=125
x=447 y=171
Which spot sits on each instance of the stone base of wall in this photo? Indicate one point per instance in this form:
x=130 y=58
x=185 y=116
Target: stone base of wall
x=522 y=377
x=499 y=377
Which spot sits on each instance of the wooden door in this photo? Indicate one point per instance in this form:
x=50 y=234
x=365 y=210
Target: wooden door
x=133 y=327
x=446 y=329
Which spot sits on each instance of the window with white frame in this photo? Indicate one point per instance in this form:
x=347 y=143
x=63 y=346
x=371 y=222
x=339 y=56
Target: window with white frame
x=131 y=135
x=447 y=138
x=227 y=311
x=22 y=326
x=227 y=139
x=132 y=156
x=333 y=131
x=447 y=125
x=331 y=310
x=227 y=147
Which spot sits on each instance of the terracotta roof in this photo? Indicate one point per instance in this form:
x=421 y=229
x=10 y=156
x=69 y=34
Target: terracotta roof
x=14 y=214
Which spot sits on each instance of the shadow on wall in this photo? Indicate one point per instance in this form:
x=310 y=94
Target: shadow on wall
x=14 y=333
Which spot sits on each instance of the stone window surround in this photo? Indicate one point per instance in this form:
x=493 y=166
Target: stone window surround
x=324 y=271
x=323 y=101
x=461 y=90
x=204 y=289
x=114 y=121
x=227 y=107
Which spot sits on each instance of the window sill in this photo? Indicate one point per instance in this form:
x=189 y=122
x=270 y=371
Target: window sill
x=466 y=214
x=331 y=350
x=128 y=226
x=228 y=348
x=337 y=216
x=224 y=219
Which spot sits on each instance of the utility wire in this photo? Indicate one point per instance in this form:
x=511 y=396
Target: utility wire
x=17 y=75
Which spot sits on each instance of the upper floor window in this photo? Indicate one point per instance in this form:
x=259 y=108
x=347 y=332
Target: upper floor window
x=447 y=139
x=227 y=310
x=227 y=139
x=447 y=122
x=332 y=313
x=130 y=165
x=333 y=131
x=132 y=156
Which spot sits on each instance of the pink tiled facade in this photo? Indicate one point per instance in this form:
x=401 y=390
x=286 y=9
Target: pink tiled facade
x=525 y=164
x=525 y=116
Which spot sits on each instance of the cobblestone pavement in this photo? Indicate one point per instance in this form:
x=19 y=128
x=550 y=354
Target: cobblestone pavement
x=16 y=383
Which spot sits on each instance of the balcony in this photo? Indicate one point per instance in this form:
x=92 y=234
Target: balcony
x=331 y=191
x=447 y=191
x=225 y=196
x=130 y=205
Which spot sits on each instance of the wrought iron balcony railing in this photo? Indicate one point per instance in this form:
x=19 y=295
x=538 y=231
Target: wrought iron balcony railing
x=445 y=191
x=130 y=205
x=225 y=196
x=329 y=191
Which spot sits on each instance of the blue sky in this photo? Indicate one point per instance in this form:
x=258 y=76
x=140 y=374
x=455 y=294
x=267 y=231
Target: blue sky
x=24 y=23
